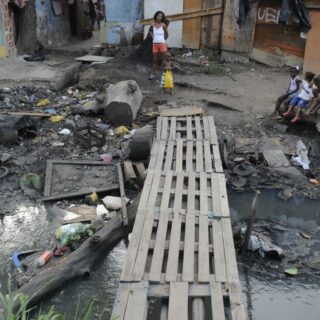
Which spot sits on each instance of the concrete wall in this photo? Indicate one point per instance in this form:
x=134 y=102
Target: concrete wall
x=52 y=30
x=122 y=16
x=3 y=51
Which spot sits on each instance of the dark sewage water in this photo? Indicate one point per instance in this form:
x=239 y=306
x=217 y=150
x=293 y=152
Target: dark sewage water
x=266 y=296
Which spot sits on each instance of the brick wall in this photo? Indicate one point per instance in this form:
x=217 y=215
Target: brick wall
x=8 y=25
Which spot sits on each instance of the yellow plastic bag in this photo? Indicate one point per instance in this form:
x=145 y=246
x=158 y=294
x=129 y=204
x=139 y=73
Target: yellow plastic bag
x=55 y=119
x=121 y=130
x=168 y=80
x=43 y=103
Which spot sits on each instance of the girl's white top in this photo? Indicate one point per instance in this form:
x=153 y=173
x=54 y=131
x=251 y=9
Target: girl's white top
x=293 y=84
x=306 y=92
x=158 y=34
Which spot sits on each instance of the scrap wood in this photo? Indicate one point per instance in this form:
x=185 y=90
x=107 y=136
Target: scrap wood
x=188 y=15
x=31 y=114
x=123 y=196
x=183 y=111
x=129 y=173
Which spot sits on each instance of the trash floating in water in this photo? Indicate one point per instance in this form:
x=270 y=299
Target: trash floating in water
x=293 y=271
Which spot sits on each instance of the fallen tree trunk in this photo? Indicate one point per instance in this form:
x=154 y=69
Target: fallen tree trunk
x=122 y=102
x=79 y=263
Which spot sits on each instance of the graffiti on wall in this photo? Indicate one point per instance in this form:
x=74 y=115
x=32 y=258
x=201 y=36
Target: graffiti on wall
x=2 y=39
x=268 y=15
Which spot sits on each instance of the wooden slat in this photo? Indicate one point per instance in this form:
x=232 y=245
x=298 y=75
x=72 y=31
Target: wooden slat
x=189 y=128
x=48 y=180
x=146 y=232
x=206 y=130
x=164 y=129
x=162 y=148
x=120 y=304
x=123 y=196
x=198 y=128
x=213 y=132
x=189 y=156
x=127 y=270
x=154 y=154
x=172 y=135
x=237 y=309
x=179 y=152
x=169 y=156
x=173 y=256
x=203 y=266
x=159 y=127
x=178 y=301
x=199 y=156
x=203 y=194
x=191 y=27
x=216 y=158
x=188 y=256
x=207 y=157
x=217 y=300
x=137 y=306
x=217 y=235
x=158 y=253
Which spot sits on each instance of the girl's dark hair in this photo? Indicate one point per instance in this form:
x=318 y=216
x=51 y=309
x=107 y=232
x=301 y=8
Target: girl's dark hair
x=309 y=76
x=164 y=19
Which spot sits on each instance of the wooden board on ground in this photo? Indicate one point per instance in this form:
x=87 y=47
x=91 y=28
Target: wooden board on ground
x=75 y=178
x=92 y=58
x=183 y=111
x=178 y=301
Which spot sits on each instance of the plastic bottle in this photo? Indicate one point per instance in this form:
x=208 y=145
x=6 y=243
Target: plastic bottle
x=44 y=258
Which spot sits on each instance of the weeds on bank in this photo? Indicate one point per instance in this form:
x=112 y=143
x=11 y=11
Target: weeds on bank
x=8 y=312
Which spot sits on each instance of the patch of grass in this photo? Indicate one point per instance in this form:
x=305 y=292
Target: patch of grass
x=8 y=312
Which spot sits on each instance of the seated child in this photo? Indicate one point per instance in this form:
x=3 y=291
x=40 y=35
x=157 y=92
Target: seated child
x=315 y=106
x=167 y=79
x=294 y=87
x=301 y=101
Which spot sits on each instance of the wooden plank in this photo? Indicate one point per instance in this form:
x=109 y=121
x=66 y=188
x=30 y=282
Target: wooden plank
x=189 y=128
x=127 y=270
x=207 y=157
x=198 y=128
x=120 y=304
x=30 y=114
x=192 y=27
x=159 y=127
x=237 y=309
x=158 y=253
x=182 y=111
x=206 y=130
x=160 y=157
x=188 y=255
x=217 y=235
x=187 y=15
x=129 y=171
x=217 y=305
x=123 y=196
x=173 y=256
x=230 y=256
x=213 y=132
x=199 y=156
x=169 y=156
x=216 y=158
x=164 y=129
x=189 y=157
x=179 y=152
x=203 y=257
x=178 y=301
x=154 y=154
x=142 y=251
x=137 y=305
x=48 y=180
x=225 y=211
x=203 y=194
x=173 y=129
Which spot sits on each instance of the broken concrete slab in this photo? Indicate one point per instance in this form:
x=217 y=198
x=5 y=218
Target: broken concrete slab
x=234 y=57
x=67 y=78
x=93 y=58
x=289 y=172
x=275 y=159
x=182 y=111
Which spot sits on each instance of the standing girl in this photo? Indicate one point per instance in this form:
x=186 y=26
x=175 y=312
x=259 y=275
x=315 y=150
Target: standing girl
x=159 y=33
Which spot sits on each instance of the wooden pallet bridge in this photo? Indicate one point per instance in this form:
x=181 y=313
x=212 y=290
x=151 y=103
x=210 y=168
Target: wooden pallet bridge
x=181 y=253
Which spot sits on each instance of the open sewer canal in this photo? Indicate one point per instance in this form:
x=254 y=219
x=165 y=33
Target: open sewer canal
x=267 y=296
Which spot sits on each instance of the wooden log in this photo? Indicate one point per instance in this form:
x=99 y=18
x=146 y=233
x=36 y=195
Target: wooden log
x=122 y=102
x=79 y=263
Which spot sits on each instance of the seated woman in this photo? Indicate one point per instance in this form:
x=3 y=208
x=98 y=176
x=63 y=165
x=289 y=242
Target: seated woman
x=315 y=104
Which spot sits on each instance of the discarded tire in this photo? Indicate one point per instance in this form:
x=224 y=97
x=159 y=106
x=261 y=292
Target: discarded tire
x=3 y=172
x=243 y=170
